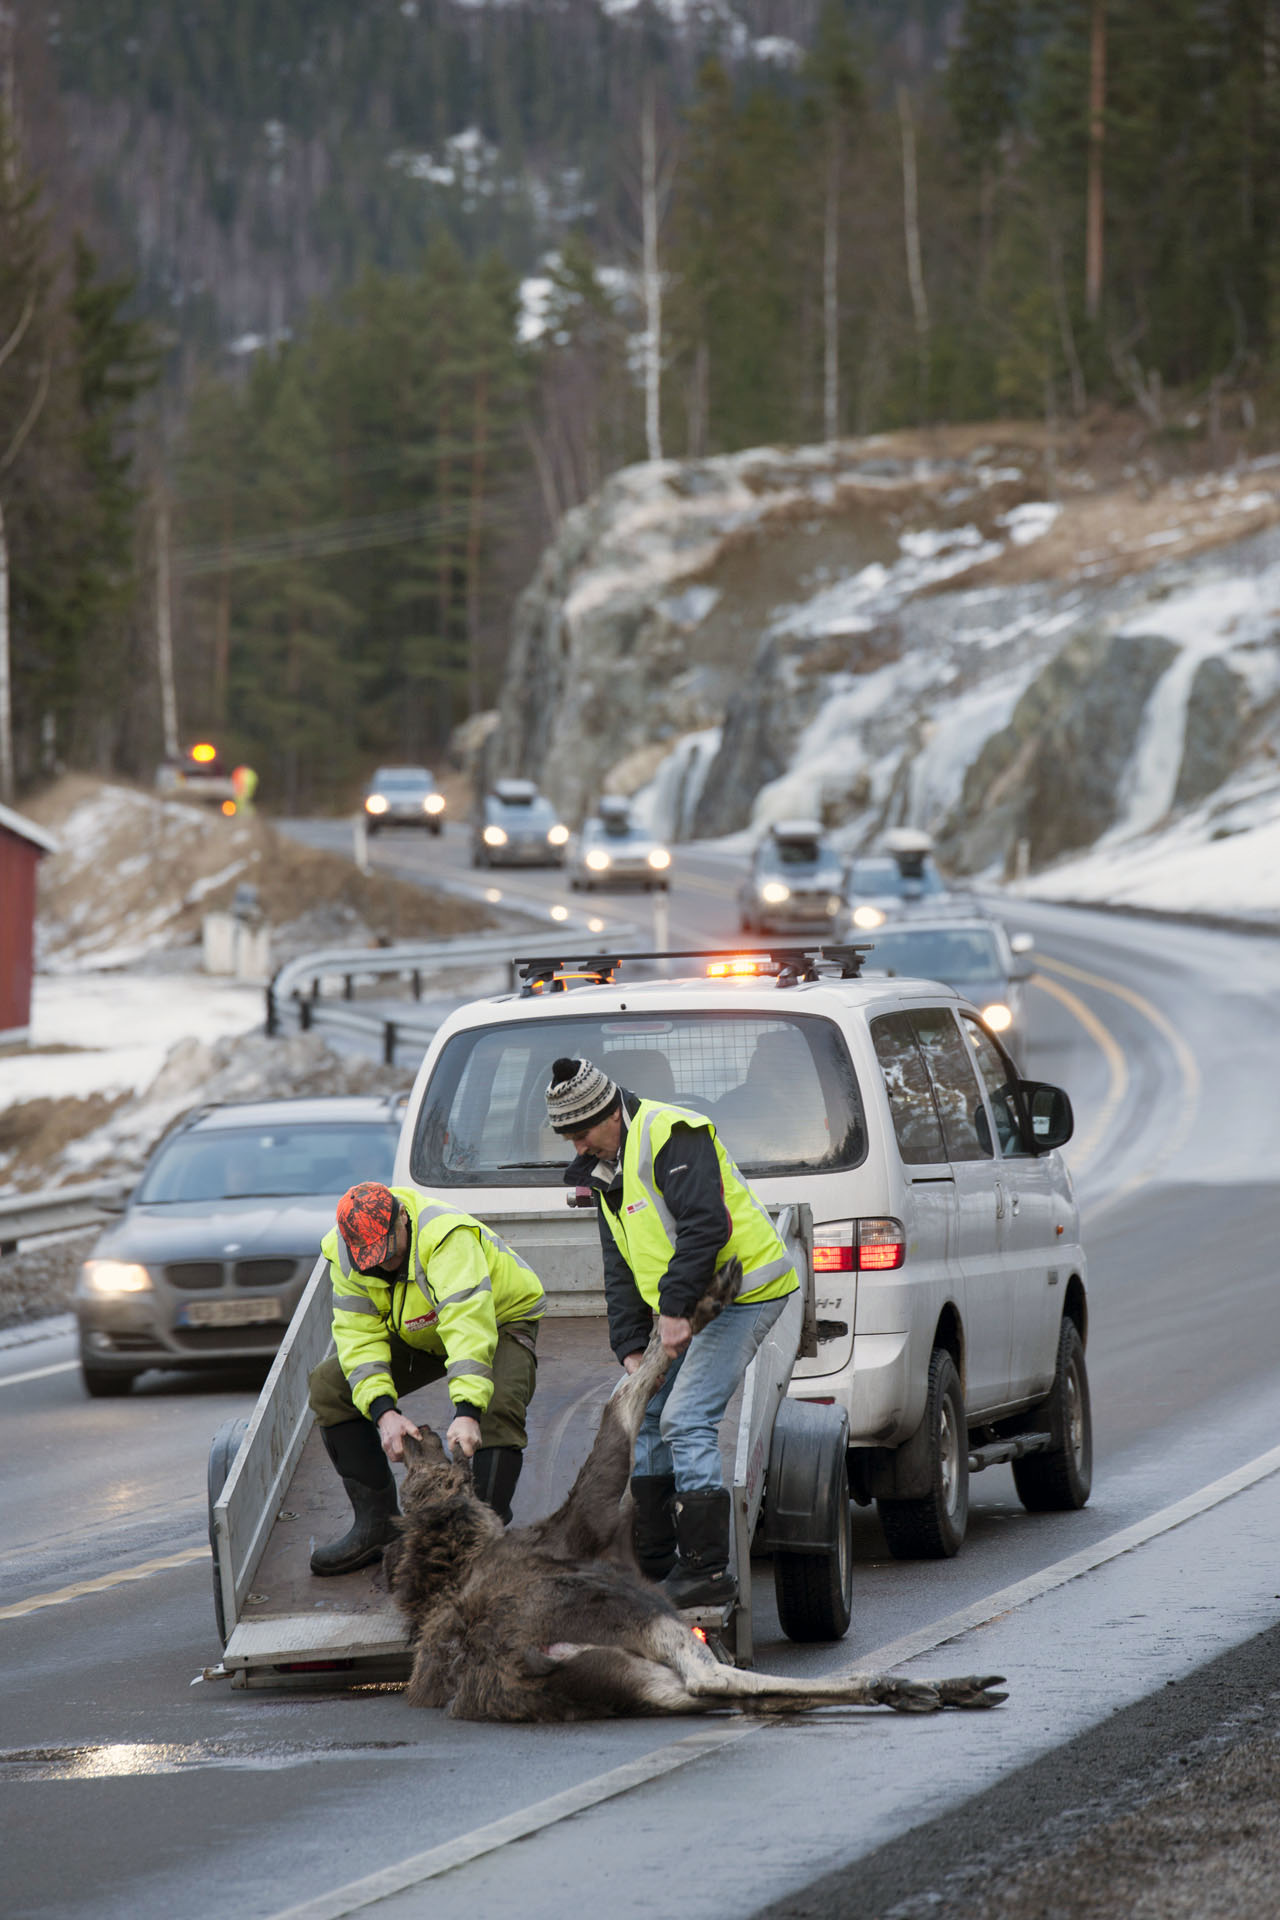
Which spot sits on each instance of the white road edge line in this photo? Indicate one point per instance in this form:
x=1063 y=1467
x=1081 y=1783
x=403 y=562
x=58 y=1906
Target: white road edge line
x=359 y=1894
x=37 y=1373
x=983 y=1612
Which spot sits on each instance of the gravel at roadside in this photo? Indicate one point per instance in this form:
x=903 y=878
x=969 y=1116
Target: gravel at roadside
x=1168 y=1811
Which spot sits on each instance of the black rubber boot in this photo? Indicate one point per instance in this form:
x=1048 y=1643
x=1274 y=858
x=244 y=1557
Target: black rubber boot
x=495 y=1471
x=356 y=1451
x=655 y=1524
x=702 y=1575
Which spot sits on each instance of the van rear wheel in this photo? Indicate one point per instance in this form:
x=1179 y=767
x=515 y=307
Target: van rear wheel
x=933 y=1527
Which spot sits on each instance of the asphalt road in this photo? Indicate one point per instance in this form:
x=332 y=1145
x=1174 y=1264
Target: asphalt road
x=129 y=1791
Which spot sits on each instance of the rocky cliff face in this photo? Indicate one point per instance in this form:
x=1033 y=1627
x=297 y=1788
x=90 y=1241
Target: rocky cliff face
x=902 y=630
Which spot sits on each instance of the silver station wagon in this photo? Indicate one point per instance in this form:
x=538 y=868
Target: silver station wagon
x=951 y=1283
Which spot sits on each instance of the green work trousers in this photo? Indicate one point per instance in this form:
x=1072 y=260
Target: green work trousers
x=515 y=1375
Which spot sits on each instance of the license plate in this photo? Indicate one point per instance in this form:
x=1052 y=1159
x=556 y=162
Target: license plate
x=231 y=1313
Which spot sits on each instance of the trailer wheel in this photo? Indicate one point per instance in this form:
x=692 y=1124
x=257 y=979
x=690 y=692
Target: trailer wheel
x=807 y=1522
x=223 y=1449
x=933 y=1527
x=1059 y=1480
x=814 y=1591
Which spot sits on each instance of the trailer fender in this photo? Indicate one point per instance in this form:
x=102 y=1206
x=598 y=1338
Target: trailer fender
x=801 y=1514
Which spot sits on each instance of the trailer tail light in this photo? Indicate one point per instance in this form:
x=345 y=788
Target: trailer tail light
x=833 y=1249
x=882 y=1245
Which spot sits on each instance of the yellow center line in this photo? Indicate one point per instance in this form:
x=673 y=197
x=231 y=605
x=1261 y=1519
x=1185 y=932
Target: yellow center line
x=1187 y=1064
x=142 y=1571
x=1112 y=1052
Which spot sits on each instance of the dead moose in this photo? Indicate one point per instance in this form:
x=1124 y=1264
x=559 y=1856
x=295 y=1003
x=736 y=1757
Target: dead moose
x=556 y=1622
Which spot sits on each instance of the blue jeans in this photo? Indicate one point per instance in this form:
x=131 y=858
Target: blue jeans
x=680 y=1433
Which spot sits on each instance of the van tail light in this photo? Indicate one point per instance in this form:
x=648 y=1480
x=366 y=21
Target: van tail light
x=882 y=1245
x=833 y=1249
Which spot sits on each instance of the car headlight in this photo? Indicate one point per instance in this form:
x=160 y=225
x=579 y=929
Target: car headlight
x=434 y=803
x=598 y=860
x=114 y=1276
x=495 y=836
x=867 y=917
x=997 y=1016
x=659 y=858
x=557 y=835
x=376 y=803
x=773 y=893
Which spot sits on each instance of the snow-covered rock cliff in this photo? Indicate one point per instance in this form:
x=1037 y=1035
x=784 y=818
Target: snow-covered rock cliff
x=967 y=637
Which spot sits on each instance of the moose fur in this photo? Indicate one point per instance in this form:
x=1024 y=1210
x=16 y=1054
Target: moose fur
x=555 y=1621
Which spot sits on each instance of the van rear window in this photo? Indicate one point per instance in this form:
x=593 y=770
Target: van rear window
x=781 y=1091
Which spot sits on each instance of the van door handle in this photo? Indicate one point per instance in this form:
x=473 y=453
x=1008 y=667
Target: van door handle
x=999 y=1200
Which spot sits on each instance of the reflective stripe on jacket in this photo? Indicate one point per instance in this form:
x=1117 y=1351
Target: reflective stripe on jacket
x=645 y=1229
x=463 y=1283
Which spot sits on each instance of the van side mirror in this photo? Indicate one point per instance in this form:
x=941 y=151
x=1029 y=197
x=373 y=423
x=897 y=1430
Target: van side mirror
x=113 y=1203
x=1052 y=1121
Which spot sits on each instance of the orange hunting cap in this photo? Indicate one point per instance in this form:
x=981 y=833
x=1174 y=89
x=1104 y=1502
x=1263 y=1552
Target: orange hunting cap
x=366 y=1221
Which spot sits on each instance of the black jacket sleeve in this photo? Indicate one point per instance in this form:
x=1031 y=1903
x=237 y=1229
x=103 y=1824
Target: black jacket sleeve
x=688 y=1178
x=630 y=1320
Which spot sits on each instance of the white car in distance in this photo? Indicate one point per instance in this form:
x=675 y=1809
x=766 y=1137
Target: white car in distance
x=614 y=850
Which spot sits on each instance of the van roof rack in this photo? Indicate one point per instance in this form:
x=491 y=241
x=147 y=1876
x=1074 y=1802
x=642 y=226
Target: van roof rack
x=553 y=973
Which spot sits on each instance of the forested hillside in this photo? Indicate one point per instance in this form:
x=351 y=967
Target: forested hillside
x=427 y=272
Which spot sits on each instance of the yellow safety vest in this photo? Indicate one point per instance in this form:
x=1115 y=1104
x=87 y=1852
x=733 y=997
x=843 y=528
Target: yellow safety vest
x=463 y=1284
x=646 y=1232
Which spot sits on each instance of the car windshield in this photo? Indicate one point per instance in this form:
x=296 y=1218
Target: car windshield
x=403 y=777
x=780 y=1089
x=535 y=808
x=886 y=877
x=956 y=955
x=611 y=828
x=241 y=1163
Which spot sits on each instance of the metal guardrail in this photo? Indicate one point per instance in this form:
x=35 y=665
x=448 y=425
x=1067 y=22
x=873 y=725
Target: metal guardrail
x=296 y=988
x=32 y=1216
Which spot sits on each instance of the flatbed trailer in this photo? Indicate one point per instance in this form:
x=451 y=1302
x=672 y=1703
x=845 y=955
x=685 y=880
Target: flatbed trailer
x=273 y=1493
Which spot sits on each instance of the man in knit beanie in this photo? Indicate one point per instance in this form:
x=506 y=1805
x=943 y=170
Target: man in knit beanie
x=672 y=1209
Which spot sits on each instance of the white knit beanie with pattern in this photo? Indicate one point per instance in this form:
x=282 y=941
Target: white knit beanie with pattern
x=579 y=1095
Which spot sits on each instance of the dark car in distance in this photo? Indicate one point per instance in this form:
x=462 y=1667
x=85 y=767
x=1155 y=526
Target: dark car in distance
x=403 y=797
x=216 y=1242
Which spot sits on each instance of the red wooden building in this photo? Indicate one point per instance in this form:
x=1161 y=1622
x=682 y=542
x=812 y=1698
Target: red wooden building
x=22 y=845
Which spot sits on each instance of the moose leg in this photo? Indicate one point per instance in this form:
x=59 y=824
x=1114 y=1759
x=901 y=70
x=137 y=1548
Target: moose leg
x=591 y=1522
x=716 y=1685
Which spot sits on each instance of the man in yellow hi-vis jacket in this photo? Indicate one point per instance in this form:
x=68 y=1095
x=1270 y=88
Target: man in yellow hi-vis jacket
x=673 y=1209
x=421 y=1292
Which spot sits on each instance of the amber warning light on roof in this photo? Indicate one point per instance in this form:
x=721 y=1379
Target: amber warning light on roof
x=202 y=753
x=742 y=966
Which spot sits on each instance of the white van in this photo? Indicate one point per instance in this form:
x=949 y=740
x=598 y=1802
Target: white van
x=951 y=1297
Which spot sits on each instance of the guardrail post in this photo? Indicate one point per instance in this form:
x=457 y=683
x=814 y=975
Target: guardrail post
x=417 y=984
x=348 y=992
x=271 y=1025
x=389 y=1043
x=304 y=1015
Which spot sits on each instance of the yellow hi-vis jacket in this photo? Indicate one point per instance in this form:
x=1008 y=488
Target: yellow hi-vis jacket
x=463 y=1283
x=645 y=1230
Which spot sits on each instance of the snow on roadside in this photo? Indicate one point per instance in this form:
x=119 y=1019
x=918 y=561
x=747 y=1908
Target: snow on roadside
x=1222 y=857
x=124 y=1024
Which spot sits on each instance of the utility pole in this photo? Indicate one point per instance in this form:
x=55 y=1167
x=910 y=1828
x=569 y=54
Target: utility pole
x=650 y=217
x=911 y=230
x=164 y=629
x=1097 y=129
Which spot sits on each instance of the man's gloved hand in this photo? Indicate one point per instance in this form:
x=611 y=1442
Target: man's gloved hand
x=464 y=1432
x=392 y=1427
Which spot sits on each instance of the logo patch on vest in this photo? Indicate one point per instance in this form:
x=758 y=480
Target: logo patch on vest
x=637 y=1206
x=423 y=1320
